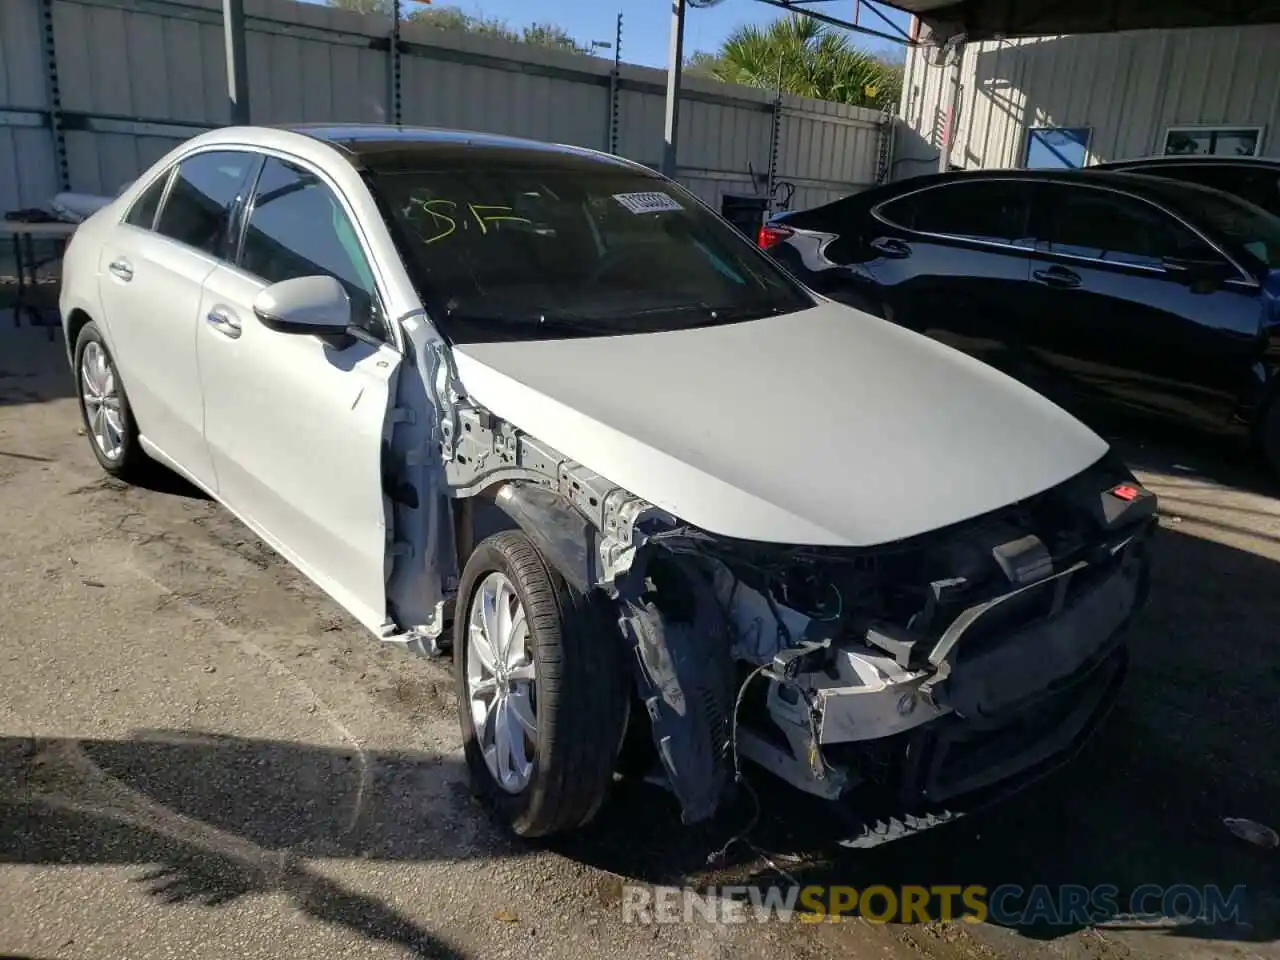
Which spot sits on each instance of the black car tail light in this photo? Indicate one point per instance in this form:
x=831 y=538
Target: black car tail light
x=771 y=235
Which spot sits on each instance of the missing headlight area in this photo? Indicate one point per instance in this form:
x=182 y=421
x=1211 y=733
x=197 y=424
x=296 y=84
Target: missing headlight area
x=901 y=681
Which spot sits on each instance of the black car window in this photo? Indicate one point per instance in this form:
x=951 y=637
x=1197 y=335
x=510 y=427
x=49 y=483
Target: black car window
x=197 y=208
x=991 y=210
x=143 y=211
x=554 y=248
x=1258 y=185
x=1111 y=226
x=1242 y=227
x=297 y=228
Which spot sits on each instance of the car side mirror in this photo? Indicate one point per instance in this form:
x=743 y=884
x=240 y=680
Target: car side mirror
x=1202 y=276
x=317 y=305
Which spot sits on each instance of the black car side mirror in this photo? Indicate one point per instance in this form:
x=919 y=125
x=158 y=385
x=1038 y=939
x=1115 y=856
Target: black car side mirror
x=1202 y=276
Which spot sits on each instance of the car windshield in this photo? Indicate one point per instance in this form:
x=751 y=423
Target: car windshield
x=1235 y=221
x=545 y=251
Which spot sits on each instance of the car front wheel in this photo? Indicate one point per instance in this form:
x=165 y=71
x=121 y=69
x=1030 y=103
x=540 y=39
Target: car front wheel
x=108 y=420
x=542 y=696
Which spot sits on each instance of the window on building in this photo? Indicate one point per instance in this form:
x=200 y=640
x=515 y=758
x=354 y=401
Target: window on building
x=1212 y=141
x=1057 y=148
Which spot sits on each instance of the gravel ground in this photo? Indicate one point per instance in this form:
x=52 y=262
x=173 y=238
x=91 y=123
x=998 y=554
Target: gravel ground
x=202 y=756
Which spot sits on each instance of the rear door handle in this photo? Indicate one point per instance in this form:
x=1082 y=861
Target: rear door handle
x=121 y=269
x=891 y=248
x=225 y=322
x=1059 y=277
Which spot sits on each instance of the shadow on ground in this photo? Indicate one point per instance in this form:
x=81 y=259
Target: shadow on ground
x=33 y=365
x=214 y=818
x=1192 y=740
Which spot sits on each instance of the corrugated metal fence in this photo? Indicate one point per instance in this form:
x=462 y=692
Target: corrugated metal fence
x=92 y=91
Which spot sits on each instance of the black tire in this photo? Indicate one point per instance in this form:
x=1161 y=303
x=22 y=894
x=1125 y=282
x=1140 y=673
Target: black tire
x=1267 y=437
x=580 y=693
x=132 y=461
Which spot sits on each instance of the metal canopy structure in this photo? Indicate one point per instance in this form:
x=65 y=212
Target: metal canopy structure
x=945 y=20
x=990 y=19
x=952 y=23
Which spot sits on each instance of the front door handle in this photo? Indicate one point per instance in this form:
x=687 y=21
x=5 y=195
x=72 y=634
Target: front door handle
x=1059 y=277
x=225 y=322
x=121 y=269
x=891 y=248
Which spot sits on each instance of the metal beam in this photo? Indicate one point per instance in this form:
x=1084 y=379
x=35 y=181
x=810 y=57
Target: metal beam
x=675 y=73
x=794 y=6
x=237 y=68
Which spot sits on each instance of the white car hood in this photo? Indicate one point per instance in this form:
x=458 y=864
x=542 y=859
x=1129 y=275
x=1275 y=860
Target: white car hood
x=826 y=426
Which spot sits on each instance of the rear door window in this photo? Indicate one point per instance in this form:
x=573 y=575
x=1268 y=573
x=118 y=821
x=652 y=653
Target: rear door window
x=994 y=211
x=198 y=208
x=1112 y=227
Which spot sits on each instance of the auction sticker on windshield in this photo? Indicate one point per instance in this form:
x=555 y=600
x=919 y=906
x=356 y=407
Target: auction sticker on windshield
x=647 y=202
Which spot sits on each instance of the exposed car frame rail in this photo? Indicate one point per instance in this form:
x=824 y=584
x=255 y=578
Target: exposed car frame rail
x=481 y=451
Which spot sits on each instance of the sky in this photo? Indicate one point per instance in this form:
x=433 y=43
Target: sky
x=647 y=23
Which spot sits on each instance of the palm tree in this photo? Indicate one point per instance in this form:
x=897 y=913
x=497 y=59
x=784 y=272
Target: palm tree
x=812 y=59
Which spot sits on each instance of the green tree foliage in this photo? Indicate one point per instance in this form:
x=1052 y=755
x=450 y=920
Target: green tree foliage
x=452 y=18
x=815 y=61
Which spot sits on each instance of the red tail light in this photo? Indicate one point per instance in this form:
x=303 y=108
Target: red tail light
x=771 y=235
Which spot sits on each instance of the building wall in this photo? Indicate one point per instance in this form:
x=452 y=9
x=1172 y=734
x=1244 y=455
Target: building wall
x=1128 y=87
x=137 y=77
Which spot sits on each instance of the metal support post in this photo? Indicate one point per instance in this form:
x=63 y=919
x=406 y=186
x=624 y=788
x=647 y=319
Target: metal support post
x=675 y=73
x=237 y=68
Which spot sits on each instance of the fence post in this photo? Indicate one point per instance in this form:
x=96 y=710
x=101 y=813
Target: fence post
x=615 y=92
x=54 y=94
x=884 y=159
x=394 y=103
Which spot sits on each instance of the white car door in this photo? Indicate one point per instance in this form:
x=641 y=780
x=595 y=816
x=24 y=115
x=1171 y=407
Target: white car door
x=152 y=269
x=295 y=425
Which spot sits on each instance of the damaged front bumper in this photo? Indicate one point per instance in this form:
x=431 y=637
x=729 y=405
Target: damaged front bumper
x=901 y=724
x=994 y=707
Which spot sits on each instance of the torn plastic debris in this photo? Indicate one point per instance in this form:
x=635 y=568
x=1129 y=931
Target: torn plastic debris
x=684 y=680
x=1256 y=833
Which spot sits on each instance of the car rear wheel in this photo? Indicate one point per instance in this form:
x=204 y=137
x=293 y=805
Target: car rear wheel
x=104 y=408
x=542 y=695
x=1268 y=437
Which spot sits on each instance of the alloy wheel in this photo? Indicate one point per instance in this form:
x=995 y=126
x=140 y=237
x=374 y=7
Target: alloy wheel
x=100 y=391
x=500 y=682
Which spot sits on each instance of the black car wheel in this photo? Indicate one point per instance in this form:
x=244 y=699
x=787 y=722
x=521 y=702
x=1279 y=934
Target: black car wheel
x=1268 y=436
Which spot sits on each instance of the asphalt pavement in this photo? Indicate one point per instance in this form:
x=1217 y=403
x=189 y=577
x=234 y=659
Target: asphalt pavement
x=203 y=756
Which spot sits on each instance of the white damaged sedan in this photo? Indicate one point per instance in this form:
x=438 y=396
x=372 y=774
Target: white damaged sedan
x=539 y=406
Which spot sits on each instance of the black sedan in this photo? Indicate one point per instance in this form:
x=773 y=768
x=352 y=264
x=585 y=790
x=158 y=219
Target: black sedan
x=1155 y=297
x=1256 y=179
